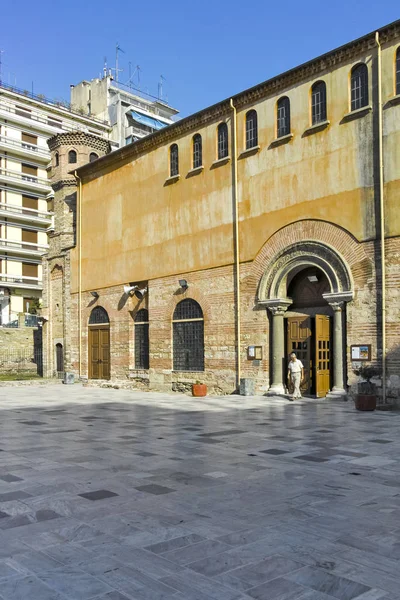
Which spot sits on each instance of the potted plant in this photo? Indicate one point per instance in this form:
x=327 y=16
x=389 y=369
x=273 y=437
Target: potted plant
x=365 y=398
x=199 y=389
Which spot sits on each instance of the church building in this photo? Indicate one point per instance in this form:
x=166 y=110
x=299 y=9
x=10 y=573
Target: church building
x=213 y=248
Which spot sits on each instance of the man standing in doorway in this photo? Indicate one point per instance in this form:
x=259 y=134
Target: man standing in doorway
x=295 y=375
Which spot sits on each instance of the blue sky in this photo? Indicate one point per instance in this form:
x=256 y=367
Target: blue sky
x=206 y=50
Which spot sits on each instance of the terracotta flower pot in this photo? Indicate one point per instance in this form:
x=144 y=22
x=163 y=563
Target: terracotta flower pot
x=365 y=402
x=199 y=390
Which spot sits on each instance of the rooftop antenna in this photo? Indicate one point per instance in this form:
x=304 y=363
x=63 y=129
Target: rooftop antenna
x=105 y=67
x=138 y=69
x=1 y=52
x=160 y=87
x=117 y=49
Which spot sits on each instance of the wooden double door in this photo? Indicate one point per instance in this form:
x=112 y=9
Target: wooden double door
x=310 y=339
x=99 y=352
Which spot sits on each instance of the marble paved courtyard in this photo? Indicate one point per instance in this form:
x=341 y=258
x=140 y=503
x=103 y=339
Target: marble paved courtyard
x=113 y=495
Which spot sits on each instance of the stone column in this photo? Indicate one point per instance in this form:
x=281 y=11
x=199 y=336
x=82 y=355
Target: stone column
x=278 y=308
x=338 y=382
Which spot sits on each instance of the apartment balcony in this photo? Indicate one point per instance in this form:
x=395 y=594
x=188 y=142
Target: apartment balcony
x=30 y=215
x=29 y=151
x=23 y=248
x=21 y=281
x=26 y=182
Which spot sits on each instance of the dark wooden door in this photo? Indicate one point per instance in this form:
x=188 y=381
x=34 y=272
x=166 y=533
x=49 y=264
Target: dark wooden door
x=299 y=341
x=99 y=353
x=322 y=355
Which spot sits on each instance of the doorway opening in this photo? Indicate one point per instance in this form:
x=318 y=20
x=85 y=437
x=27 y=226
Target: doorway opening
x=308 y=330
x=99 y=344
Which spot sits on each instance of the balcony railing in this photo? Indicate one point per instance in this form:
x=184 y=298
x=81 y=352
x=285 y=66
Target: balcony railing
x=61 y=104
x=23 y=247
x=20 y=281
x=25 y=213
x=18 y=176
x=42 y=152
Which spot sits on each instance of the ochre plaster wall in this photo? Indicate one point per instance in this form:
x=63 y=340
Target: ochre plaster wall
x=137 y=226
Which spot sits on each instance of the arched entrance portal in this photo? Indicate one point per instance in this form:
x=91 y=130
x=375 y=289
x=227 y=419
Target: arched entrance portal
x=99 y=344
x=306 y=290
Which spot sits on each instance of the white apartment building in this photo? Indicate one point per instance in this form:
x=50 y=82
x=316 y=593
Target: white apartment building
x=132 y=114
x=26 y=123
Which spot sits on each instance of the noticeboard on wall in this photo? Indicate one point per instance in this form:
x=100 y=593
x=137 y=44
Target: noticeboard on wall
x=361 y=352
x=254 y=353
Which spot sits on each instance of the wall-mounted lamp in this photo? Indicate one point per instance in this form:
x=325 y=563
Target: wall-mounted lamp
x=95 y=294
x=184 y=284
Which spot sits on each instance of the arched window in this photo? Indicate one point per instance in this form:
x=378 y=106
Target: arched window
x=173 y=161
x=283 y=117
x=251 y=130
x=359 y=86
x=188 y=336
x=57 y=159
x=93 y=156
x=59 y=358
x=318 y=102
x=197 y=151
x=141 y=320
x=98 y=316
x=72 y=156
x=398 y=71
x=223 y=150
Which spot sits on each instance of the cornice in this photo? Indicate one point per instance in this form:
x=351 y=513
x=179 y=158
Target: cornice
x=311 y=69
x=58 y=185
x=80 y=138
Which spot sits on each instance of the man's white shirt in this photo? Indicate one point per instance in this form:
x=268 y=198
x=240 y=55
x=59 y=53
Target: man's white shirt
x=295 y=366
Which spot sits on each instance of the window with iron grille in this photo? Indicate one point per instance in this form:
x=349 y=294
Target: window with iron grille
x=98 y=316
x=222 y=140
x=188 y=336
x=251 y=130
x=93 y=156
x=318 y=102
x=197 y=151
x=72 y=157
x=283 y=117
x=359 y=86
x=173 y=160
x=142 y=347
x=398 y=71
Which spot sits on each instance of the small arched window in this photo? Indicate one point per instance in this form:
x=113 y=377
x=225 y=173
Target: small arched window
x=72 y=157
x=197 y=151
x=398 y=71
x=174 y=160
x=59 y=358
x=222 y=140
x=283 y=117
x=318 y=102
x=98 y=316
x=93 y=156
x=359 y=86
x=142 y=347
x=188 y=336
x=57 y=159
x=251 y=130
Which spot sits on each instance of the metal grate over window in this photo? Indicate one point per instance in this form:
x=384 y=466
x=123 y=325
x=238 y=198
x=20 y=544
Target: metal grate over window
x=98 y=316
x=359 y=87
x=72 y=157
x=222 y=140
x=251 y=129
x=197 y=151
x=188 y=336
x=93 y=156
x=142 y=345
x=398 y=71
x=318 y=102
x=174 y=160
x=283 y=117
